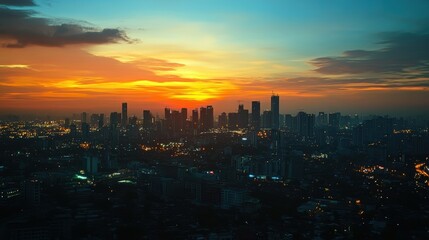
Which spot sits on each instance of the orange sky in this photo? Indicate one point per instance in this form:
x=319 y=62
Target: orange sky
x=61 y=68
x=71 y=79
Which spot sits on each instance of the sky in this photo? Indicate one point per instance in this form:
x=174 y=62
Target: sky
x=367 y=56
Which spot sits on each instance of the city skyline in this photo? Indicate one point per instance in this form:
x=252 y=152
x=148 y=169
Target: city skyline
x=361 y=57
x=192 y=119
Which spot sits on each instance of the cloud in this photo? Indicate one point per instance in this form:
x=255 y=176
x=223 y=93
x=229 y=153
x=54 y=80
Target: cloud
x=157 y=64
x=19 y=3
x=19 y=28
x=401 y=52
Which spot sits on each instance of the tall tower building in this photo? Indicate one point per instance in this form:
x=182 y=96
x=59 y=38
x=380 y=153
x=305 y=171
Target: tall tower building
x=184 y=116
x=67 y=123
x=210 y=117
x=223 y=120
x=203 y=119
x=275 y=115
x=168 y=127
x=206 y=118
x=147 y=119
x=83 y=120
x=256 y=115
x=267 y=119
x=195 y=120
x=243 y=117
x=100 y=120
x=124 y=121
x=334 y=120
x=232 y=121
x=114 y=119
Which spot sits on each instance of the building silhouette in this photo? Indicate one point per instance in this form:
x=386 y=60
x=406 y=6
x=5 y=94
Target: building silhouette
x=147 y=119
x=275 y=115
x=195 y=121
x=124 y=121
x=256 y=115
x=243 y=117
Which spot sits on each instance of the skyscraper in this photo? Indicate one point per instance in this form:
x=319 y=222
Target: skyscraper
x=243 y=117
x=147 y=119
x=322 y=119
x=94 y=120
x=210 y=117
x=223 y=120
x=203 y=119
x=206 y=118
x=267 y=119
x=114 y=119
x=168 y=127
x=100 y=120
x=124 y=114
x=67 y=123
x=334 y=120
x=176 y=121
x=256 y=115
x=232 y=121
x=275 y=111
x=305 y=124
x=83 y=117
x=195 y=120
x=184 y=115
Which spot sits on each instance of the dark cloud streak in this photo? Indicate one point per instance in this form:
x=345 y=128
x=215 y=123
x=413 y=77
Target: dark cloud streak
x=19 y=28
x=17 y=3
x=402 y=50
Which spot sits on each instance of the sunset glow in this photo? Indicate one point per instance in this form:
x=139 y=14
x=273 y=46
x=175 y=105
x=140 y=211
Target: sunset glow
x=57 y=56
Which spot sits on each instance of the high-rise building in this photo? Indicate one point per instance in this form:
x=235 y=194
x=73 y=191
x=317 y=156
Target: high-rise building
x=94 y=120
x=168 y=120
x=124 y=114
x=85 y=129
x=67 y=122
x=282 y=120
x=203 y=119
x=256 y=115
x=322 y=119
x=243 y=117
x=132 y=121
x=147 y=119
x=114 y=119
x=305 y=124
x=210 y=117
x=267 y=117
x=334 y=120
x=176 y=121
x=100 y=120
x=232 y=121
x=206 y=118
x=73 y=130
x=195 y=120
x=91 y=164
x=275 y=108
x=223 y=120
x=289 y=122
x=184 y=115
x=83 y=120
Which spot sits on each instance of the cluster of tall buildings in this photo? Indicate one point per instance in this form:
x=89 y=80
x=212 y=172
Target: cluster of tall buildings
x=177 y=122
x=202 y=119
x=242 y=119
